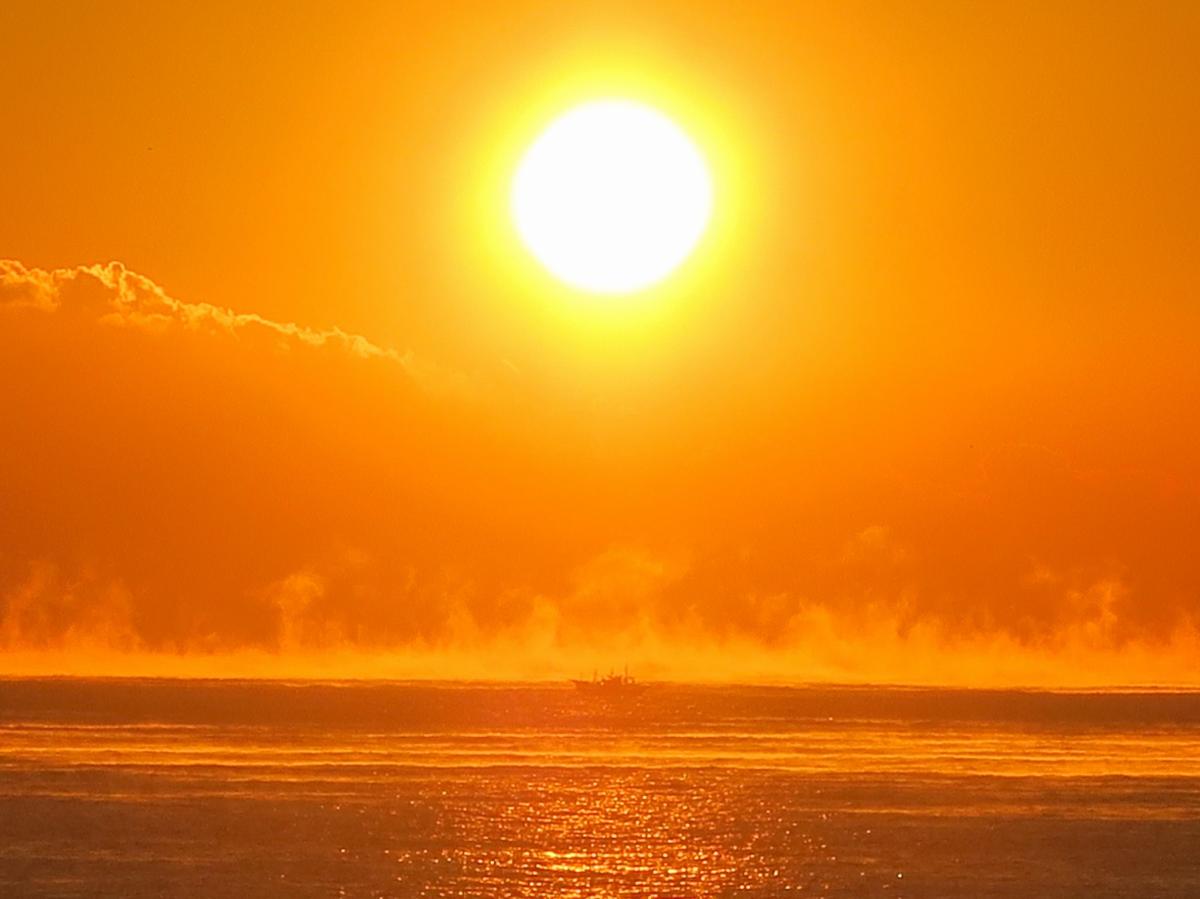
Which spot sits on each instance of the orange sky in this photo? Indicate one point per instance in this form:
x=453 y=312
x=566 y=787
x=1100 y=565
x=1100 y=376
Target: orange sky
x=923 y=409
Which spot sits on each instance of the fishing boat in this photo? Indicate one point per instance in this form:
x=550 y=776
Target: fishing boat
x=611 y=686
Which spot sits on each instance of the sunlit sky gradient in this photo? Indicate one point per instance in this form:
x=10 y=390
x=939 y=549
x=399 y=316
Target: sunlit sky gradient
x=923 y=407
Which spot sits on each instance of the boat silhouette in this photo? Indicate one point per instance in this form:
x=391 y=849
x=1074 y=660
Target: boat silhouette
x=611 y=686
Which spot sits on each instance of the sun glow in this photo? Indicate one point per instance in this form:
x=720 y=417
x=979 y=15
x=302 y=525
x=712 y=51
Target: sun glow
x=612 y=197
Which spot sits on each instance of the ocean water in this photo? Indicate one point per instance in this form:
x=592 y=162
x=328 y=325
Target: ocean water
x=139 y=788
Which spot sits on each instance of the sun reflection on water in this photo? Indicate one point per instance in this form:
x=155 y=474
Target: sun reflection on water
x=572 y=803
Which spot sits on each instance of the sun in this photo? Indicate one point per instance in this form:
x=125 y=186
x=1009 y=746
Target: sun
x=612 y=197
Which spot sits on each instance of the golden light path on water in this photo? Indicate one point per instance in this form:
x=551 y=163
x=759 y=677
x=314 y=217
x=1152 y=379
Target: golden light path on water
x=264 y=790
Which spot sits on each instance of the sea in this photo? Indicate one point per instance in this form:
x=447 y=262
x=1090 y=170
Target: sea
x=223 y=788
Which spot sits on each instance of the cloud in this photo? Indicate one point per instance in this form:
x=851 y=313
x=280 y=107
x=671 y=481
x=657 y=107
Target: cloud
x=191 y=489
x=116 y=296
x=32 y=288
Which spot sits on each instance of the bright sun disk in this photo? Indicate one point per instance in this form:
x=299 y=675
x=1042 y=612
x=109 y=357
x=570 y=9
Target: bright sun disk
x=611 y=197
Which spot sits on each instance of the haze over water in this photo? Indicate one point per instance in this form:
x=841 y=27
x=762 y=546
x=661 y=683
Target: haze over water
x=217 y=788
